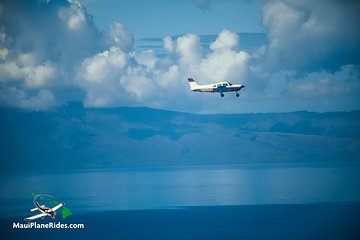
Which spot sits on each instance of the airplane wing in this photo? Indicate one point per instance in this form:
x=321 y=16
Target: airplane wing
x=34 y=209
x=57 y=207
x=35 y=216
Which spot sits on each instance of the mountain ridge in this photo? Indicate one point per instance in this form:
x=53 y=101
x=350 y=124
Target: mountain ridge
x=74 y=137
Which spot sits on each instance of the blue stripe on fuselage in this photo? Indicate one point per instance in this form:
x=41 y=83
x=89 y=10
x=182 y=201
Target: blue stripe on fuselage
x=227 y=89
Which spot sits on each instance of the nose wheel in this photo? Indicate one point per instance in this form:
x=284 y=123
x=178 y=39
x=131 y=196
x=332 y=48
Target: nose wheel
x=222 y=95
x=237 y=94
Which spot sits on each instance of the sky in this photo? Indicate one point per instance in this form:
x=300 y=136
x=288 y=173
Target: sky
x=57 y=51
x=159 y=18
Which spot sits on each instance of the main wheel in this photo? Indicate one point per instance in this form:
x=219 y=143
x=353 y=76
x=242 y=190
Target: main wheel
x=237 y=94
x=222 y=95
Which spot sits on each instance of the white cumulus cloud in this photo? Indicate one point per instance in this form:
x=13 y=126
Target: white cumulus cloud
x=168 y=44
x=28 y=71
x=119 y=36
x=99 y=77
x=226 y=41
x=310 y=35
x=50 y=47
x=74 y=15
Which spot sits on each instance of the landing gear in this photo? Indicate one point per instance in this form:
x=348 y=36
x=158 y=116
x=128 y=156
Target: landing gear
x=222 y=95
x=237 y=94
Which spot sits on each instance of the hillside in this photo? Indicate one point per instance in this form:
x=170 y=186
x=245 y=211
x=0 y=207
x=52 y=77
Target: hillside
x=73 y=137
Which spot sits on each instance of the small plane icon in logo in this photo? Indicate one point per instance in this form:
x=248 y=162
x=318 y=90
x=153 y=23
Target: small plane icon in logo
x=45 y=211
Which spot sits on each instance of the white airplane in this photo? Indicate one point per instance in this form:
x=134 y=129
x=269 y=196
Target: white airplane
x=219 y=87
x=45 y=211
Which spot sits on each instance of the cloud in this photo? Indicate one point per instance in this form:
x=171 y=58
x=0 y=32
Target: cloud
x=26 y=70
x=74 y=16
x=117 y=35
x=307 y=35
x=99 y=77
x=4 y=53
x=224 y=63
x=16 y=97
x=311 y=60
x=122 y=76
x=43 y=43
x=226 y=41
x=146 y=58
x=189 y=49
x=52 y=53
x=168 y=44
x=322 y=84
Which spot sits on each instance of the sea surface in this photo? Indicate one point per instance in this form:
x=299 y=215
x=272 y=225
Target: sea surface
x=284 y=221
x=207 y=202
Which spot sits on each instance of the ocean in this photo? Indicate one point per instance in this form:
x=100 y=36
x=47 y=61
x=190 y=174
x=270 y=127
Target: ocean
x=207 y=202
x=283 y=221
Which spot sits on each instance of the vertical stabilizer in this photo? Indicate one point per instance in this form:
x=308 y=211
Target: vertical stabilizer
x=192 y=83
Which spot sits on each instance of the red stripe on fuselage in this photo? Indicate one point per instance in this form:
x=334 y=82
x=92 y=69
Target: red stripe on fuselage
x=212 y=90
x=207 y=90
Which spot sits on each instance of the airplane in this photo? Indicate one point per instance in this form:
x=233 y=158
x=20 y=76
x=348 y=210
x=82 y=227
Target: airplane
x=219 y=87
x=45 y=211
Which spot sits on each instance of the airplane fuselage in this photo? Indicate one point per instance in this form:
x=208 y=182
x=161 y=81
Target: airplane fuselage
x=220 y=87
x=46 y=210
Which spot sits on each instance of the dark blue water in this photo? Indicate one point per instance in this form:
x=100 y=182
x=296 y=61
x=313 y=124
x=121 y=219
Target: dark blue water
x=178 y=187
x=247 y=202
x=298 y=221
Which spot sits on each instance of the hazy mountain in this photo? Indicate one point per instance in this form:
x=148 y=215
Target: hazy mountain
x=73 y=137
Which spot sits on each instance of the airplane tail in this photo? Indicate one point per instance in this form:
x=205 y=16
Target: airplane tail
x=192 y=83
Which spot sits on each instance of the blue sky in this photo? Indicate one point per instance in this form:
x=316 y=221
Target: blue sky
x=161 y=18
x=57 y=51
